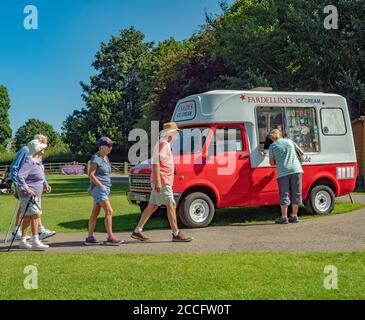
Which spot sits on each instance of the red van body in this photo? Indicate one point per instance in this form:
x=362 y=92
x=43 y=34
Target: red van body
x=330 y=166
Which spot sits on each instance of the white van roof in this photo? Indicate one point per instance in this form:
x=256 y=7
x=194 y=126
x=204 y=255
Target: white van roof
x=230 y=106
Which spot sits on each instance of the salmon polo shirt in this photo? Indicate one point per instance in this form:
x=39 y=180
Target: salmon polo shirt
x=162 y=154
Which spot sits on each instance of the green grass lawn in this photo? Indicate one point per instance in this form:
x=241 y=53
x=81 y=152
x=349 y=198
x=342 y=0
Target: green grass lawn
x=184 y=276
x=68 y=207
x=169 y=276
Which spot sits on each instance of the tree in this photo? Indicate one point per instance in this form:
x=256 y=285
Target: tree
x=74 y=131
x=5 y=130
x=283 y=44
x=112 y=96
x=33 y=127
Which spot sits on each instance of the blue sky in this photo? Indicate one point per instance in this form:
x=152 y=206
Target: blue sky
x=42 y=68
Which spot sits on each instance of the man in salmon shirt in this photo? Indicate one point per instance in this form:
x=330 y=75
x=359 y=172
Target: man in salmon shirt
x=162 y=181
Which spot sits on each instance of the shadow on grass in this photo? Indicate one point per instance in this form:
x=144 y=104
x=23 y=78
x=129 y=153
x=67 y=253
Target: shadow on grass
x=125 y=222
x=223 y=217
x=75 y=244
x=249 y=215
x=245 y=216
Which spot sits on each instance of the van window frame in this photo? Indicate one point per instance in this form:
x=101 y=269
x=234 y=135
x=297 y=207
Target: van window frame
x=190 y=119
x=318 y=116
x=242 y=131
x=344 y=121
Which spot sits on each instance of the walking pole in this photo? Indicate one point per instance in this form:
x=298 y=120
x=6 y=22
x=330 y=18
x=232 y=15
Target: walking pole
x=11 y=221
x=21 y=221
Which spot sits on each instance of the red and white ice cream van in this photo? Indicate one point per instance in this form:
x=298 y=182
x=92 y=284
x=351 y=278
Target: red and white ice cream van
x=220 y=159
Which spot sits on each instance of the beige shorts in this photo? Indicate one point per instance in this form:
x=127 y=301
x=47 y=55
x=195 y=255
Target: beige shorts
x=165 y=197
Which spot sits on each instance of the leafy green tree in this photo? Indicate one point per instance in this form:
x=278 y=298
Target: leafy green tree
x=33 y=127
x=283 y=44
x=5 y=130
x=74 y=132
x=112 y=96
x=278 y=43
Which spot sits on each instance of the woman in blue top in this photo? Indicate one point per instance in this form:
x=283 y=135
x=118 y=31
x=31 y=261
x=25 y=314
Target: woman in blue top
x=289 y=174
x=100 y=184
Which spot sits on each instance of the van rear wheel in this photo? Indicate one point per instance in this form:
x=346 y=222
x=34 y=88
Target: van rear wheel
x=321 y=200
x=196 y=210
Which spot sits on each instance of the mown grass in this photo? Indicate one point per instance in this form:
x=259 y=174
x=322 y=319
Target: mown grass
x=183 y=276
x=169 y=276
x=68 y=207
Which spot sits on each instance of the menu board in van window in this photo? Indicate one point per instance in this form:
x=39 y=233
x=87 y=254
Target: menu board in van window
x=185 y=111
x=301 y=127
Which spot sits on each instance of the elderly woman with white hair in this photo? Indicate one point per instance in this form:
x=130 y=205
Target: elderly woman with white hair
x=31 y=183
x=15 y=166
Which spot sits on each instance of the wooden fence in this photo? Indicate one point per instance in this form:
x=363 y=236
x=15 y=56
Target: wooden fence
x=55 y=168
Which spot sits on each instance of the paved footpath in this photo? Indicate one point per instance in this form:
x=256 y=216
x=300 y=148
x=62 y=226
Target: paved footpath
x=344 y=232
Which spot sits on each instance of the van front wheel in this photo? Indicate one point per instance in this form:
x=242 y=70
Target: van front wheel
x=196 y=210
x=321 y=200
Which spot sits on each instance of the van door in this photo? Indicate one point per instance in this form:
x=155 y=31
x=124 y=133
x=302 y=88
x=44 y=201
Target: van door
x=228 y=165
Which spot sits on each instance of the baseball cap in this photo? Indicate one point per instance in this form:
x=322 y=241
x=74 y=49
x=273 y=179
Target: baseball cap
x=105 y=141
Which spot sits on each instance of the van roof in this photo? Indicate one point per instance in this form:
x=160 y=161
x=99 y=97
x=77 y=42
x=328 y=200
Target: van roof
x=239 y=105
x=267 y=92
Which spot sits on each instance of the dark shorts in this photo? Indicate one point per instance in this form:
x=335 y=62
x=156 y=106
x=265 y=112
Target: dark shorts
x=290 y=188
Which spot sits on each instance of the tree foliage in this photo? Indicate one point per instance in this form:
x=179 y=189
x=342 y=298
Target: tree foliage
x=33 y=127
x=112 y=96
x=278 y=43
x=5 y=130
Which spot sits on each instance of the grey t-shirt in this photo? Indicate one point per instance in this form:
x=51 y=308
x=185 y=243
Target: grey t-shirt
x=103 y=169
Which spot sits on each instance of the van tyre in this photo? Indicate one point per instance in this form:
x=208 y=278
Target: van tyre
x=196 y=210
x=321 y=200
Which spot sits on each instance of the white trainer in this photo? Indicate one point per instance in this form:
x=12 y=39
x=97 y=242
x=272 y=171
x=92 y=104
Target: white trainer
x=18 y=236
x=46 y=234
x=39 y=246
x=24 y=245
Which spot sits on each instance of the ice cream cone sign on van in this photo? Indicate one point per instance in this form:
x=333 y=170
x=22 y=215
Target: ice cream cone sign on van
x=221 y=157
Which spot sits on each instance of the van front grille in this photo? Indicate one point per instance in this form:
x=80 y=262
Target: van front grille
x=140 y=181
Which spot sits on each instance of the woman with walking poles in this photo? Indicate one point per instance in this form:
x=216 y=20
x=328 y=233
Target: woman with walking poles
x=15 y=166
x=100 y=184
x=31 y=184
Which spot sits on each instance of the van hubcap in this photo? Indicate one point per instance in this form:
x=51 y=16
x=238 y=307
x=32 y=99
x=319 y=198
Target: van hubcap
x=323 y=201
x=199 y=210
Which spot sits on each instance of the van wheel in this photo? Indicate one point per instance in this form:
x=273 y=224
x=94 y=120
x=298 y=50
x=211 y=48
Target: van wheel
x=196 y=210
x=321 y=200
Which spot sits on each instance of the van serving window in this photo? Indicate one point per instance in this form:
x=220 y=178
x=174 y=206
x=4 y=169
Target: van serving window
x=333 y=122
x=297 y=124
